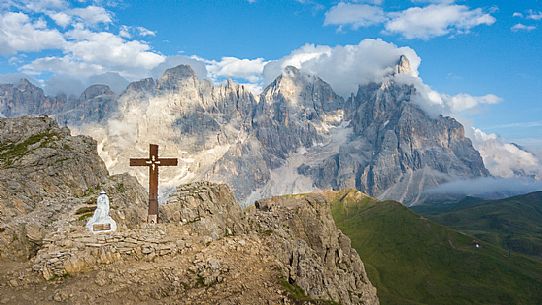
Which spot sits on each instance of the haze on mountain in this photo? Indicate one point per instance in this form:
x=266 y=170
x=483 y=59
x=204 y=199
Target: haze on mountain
x=390 y=136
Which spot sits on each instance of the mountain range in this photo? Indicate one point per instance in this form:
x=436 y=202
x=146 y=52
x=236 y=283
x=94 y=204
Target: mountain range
x=296 y=136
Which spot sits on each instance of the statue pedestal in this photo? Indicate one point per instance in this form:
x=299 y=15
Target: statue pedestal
x=101 y=222
x=101 y=227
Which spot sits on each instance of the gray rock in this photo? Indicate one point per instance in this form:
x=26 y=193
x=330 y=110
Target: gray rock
x=49 y=179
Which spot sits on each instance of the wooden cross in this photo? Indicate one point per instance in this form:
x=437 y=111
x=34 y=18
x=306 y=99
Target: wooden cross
x=153 y=162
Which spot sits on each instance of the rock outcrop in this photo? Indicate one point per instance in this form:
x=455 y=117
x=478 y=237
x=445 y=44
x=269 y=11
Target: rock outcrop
x=205 y=250
x=317 y=256
x=49 y=178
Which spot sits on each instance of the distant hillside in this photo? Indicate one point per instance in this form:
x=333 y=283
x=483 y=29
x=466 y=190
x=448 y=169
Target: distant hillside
x=412 y=260
x=514 y=223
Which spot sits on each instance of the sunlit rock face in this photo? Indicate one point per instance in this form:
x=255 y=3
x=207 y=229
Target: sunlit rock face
x=397 y=150
x=296 y=136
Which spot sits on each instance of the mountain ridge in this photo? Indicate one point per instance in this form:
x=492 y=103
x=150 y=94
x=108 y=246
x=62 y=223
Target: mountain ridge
x=225 y=133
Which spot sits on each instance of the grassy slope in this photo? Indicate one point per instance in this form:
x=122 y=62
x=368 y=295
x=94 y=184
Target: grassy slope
x=414 y=261
x=514 y=222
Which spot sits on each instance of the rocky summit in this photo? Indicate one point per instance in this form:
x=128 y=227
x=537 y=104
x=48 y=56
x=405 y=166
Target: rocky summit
x=298 y=135
x=206 y=250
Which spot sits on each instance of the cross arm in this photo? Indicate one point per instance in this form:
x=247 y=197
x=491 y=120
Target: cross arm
x=138 y=162
x=168 y=161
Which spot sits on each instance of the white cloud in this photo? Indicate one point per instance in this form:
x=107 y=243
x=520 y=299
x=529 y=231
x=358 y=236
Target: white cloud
x=504 y=159
x=522 y=27
x=462 y=102
x=41 y=5
x=142 y=31
x=89 y=53
x=355 y=15
x=92 y=14
x=60 y=18
x=65 y=65
x=345 y=67
x=436 y=20
x=436 y=103
x=439 y=18
x=109 y=50
x=124 y=32
x=533 y=15
x=232 y=67
x=517 y=14
x=19 y=34
x=127 y=31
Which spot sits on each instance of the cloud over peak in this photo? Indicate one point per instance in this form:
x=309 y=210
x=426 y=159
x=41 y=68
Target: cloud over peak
x=345 y=67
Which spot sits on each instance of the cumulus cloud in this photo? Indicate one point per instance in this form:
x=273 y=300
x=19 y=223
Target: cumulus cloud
x=439 y=18
x=18 y=33
x=436 y=20
x=522 y=27
x=505 y=159
x=437 y=103
x=231 y=67
x=355 y=15
x=462 y=102
x=65 y=65
x=345 y=67
x=60 y=18
x=87 y=46
x=107 y=49
x=39 y=5
x=92 y=14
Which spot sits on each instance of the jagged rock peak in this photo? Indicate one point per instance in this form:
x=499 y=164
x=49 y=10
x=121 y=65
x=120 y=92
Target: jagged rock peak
x=172 y=77
x=25 y=83
x=290 y=79
x=146 y=84
x=96 y=90
x=291 y=71
x=403 y=66
x=179 y=72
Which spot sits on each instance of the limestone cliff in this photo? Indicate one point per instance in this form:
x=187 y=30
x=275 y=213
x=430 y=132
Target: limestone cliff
x=298 y=135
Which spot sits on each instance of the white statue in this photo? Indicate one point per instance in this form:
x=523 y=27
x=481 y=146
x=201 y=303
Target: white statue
x=101 y=222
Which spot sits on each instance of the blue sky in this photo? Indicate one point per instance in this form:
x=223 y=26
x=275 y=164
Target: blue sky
x=466 y=47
